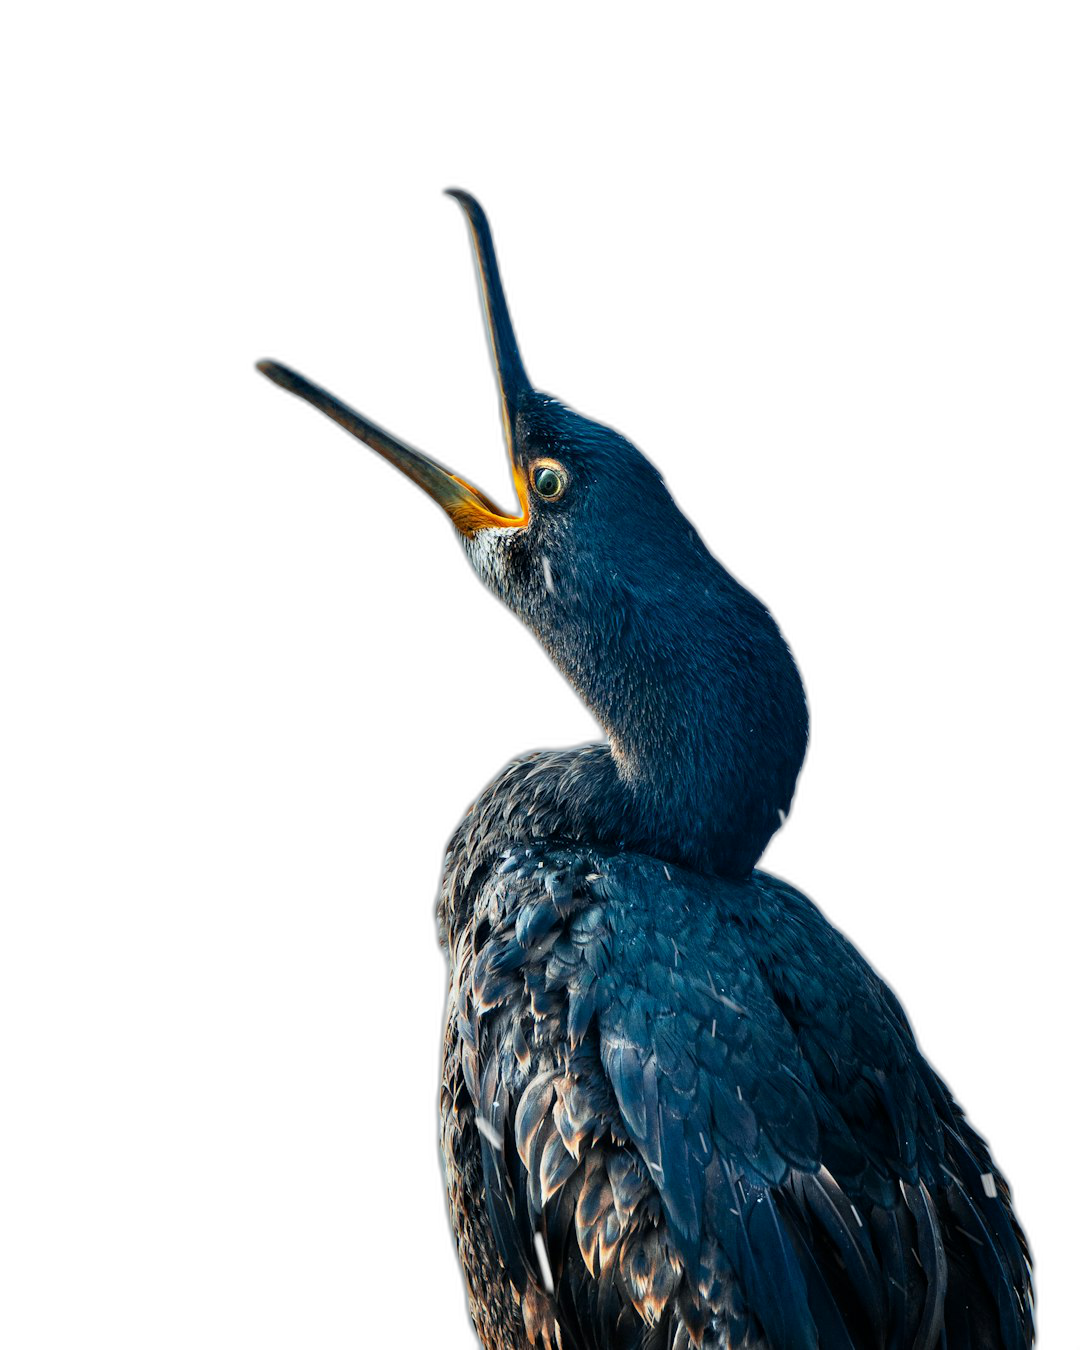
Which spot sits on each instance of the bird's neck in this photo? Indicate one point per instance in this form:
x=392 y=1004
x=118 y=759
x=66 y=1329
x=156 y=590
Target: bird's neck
x=707 y=728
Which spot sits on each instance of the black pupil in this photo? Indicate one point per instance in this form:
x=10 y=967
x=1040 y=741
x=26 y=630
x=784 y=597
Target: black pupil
x=548 y=482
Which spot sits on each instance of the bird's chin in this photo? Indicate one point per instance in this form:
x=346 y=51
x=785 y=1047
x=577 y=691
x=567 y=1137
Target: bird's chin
x=488 y=551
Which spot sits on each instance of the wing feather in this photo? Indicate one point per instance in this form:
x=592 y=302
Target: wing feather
x=716 y=1119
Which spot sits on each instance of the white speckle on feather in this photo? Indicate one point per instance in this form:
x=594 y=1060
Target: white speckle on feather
x=704 y=1145
x=548 y=582
x=667 y=874
x=738 y=1092
x=989 y=1185
x=593 y=876
x=714 y=1026
x=730 y=1003
x=543 y=1262
x=490 y=1133
x=858 y=1217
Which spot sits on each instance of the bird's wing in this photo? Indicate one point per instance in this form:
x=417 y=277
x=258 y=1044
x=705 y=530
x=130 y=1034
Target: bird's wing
x=700 y=1113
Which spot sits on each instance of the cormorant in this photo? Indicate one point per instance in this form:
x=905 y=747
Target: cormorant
x=678 y=1107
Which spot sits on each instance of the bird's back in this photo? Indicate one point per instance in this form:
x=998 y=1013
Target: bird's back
x=683 y=1110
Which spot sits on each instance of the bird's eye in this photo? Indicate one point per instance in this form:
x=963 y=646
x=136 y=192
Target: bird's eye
x=549 y=479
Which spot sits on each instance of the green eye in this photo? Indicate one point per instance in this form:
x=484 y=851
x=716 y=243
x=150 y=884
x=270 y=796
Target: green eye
x=549 y=480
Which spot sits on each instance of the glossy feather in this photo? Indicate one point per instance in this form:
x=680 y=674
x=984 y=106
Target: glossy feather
x=740 y=1143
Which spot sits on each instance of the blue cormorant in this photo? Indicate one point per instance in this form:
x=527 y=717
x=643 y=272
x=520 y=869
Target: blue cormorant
x=678 y=1107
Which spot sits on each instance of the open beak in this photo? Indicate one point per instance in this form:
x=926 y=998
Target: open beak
x=467 y=506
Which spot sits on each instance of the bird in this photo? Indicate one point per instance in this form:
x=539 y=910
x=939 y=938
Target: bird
x=678 y=1107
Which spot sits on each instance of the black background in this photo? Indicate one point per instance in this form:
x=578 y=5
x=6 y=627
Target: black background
x=806 y=344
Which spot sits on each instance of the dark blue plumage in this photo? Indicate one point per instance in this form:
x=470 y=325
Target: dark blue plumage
x=686 y=670
x=698 y=1079
x=678 y=1107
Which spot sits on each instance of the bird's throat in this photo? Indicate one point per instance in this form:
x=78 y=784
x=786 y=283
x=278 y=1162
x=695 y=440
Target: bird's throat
x=706 y=738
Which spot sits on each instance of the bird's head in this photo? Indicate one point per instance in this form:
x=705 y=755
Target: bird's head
x=684 y=668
